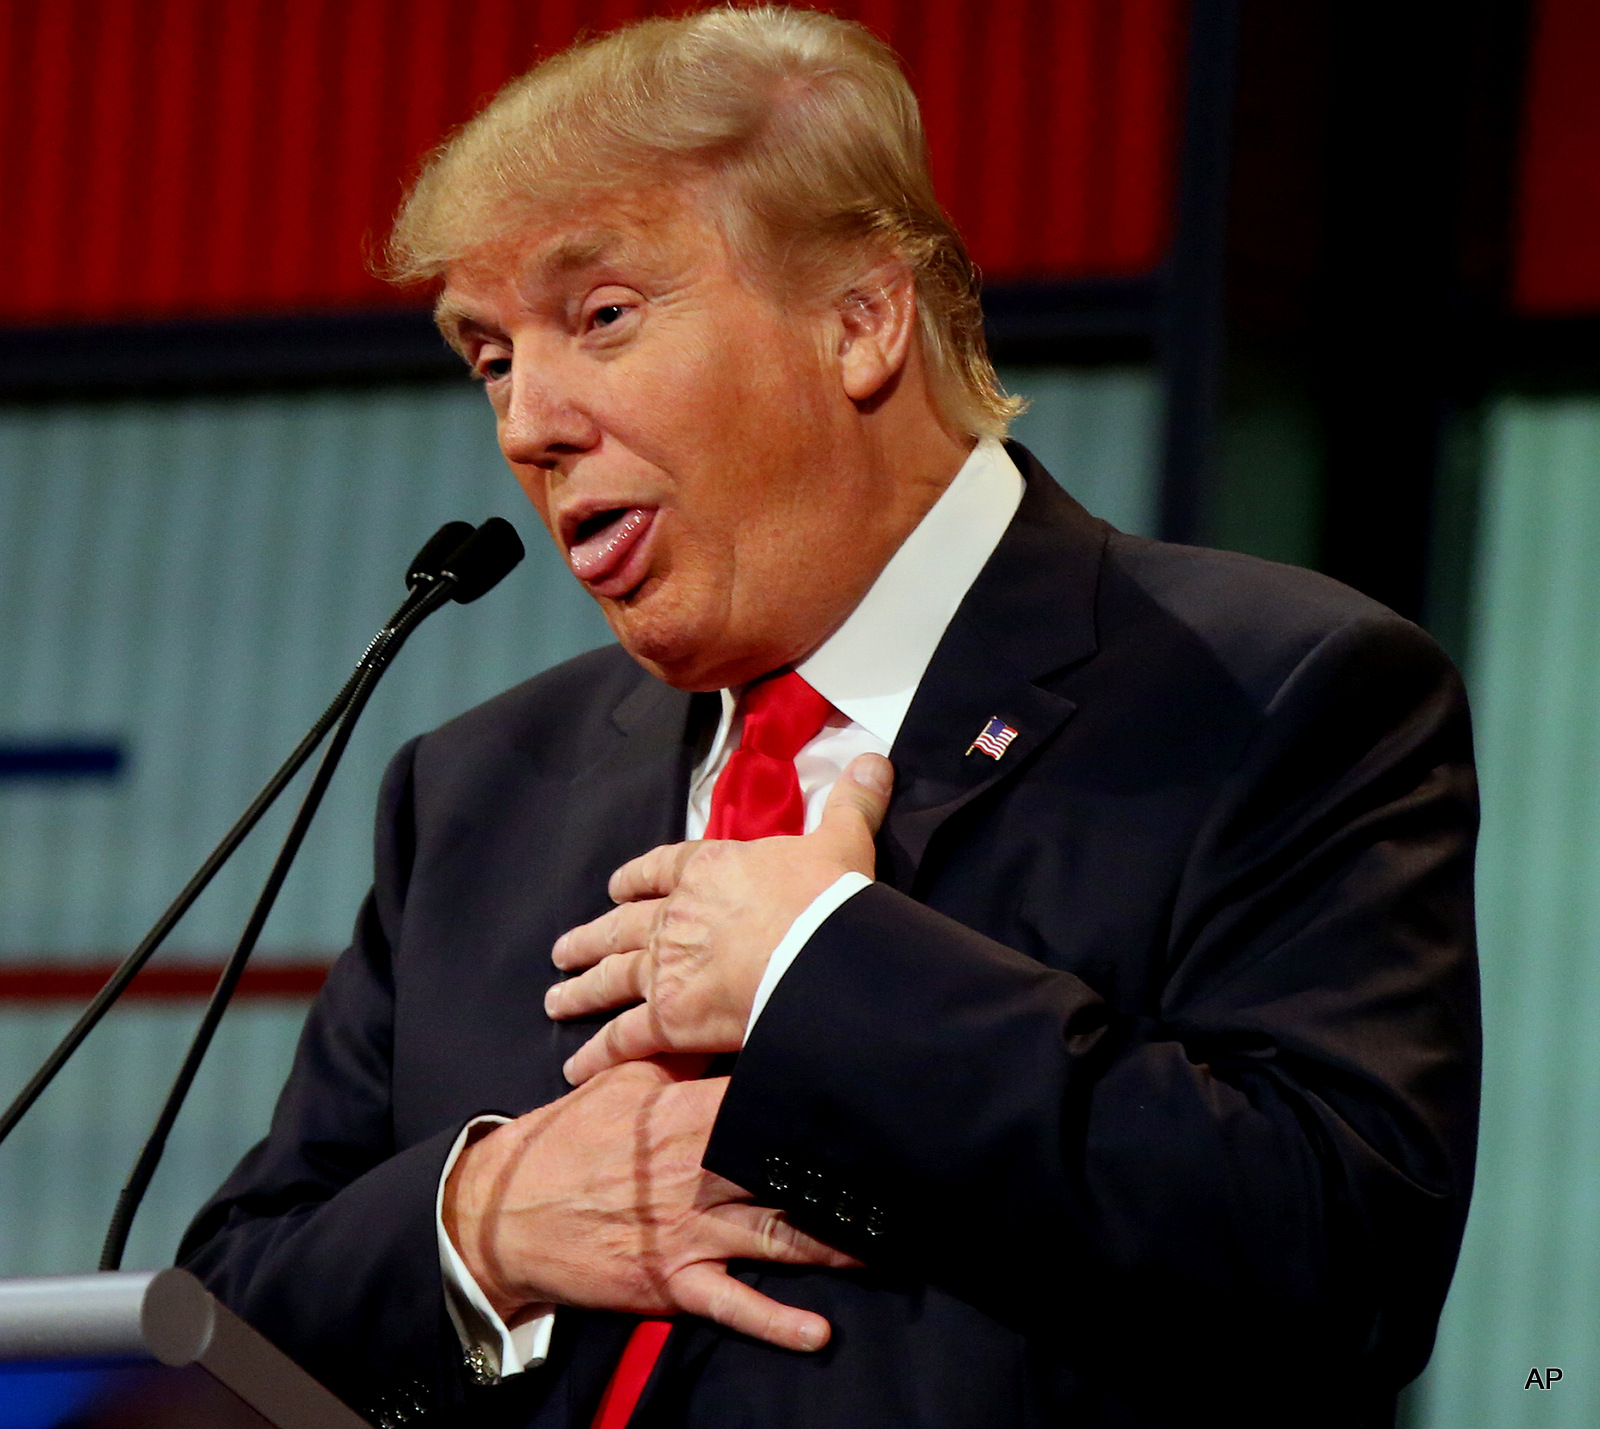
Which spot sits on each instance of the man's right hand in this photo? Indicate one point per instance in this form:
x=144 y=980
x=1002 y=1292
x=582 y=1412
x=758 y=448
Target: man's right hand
x=599 y=1200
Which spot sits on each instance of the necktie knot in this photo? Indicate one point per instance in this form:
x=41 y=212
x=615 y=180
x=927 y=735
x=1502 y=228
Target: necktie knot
x=758 y=793
x=782 y=714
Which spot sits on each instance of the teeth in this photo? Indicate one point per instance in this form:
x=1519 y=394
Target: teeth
x=592 y=526
x=620 y=531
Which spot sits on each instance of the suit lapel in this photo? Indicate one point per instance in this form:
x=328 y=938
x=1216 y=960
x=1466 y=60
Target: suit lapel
x=626 y=796
x=631 y=793
x=664 y=731
x=1029 y=614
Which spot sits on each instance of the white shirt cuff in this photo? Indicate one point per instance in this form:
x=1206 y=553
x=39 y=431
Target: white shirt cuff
x=495 y=1351
x=822 y=907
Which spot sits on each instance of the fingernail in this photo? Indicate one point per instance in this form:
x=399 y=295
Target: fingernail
x=566 y=1071
x=552 y=1000
x=875 y=774
x=810 y=1337
x=558 y=950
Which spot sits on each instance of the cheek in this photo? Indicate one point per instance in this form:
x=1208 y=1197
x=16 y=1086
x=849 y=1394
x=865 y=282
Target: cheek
x=534 y=487
x=736 y=392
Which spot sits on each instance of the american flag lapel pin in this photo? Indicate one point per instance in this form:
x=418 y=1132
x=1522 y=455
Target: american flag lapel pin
x=993 y=738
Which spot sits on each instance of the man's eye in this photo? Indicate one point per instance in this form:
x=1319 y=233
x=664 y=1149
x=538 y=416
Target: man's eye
x=497 y=368
x=604 y=317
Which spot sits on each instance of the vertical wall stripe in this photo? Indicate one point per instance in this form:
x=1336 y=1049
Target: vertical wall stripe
x=1559 y=190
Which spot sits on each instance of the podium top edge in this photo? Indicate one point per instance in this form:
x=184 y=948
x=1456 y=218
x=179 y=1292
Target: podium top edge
x=154 y=1314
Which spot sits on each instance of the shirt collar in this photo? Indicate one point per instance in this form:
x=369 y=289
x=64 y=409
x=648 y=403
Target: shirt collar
x=870 y=667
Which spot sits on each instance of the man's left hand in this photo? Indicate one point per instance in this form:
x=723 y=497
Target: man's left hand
x=696 y=924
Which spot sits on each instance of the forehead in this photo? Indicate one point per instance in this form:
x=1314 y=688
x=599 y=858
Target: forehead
x=655 y=233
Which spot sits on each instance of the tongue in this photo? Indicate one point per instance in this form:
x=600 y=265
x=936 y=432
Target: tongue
x=602 y=553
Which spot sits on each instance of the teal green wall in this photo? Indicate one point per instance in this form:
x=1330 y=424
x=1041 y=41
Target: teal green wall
x=196 y=578
x=1528 y=1289
x=1265 y=487
x=1098 y=432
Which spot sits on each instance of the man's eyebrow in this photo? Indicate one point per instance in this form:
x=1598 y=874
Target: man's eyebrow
x=566 y=256
x=578 y=251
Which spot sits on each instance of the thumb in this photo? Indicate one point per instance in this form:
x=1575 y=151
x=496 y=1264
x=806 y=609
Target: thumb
x=859 y=798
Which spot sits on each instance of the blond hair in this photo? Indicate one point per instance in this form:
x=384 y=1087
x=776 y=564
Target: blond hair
x=805 y=121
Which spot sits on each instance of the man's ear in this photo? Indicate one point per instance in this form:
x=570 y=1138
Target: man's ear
x=877 y=317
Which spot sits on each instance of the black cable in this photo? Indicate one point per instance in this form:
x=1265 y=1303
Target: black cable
x=474 y=567
x=364 y=681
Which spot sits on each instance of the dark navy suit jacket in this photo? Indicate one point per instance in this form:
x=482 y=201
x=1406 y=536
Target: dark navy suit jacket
x=1144 y=1080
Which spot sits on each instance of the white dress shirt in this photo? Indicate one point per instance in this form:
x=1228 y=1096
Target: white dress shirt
x=869 y=670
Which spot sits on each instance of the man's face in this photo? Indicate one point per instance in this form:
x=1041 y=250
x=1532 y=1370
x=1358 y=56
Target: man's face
x=683 y=433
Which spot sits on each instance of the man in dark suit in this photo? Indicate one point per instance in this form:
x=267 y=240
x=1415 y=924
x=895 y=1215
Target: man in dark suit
x=1118 y=1067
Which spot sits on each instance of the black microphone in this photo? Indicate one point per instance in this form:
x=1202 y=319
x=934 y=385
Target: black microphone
x=472 y=569
x=483 y=560
x=428 y=563
x=426 y=578
x=430 y=560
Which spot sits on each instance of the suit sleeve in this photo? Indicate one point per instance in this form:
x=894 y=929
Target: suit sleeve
x=1264 y=1171
x=324 y=1237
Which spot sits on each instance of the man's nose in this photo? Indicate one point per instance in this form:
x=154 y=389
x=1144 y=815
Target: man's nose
x=545 y=418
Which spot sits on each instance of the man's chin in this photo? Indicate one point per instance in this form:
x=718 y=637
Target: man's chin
x=690 y=643
x=686 y=673
x=688 y=660
x=668 y=649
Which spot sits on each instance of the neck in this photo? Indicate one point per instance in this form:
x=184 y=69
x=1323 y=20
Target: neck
x=904 y=469
x=913 y=456
x=887 y=466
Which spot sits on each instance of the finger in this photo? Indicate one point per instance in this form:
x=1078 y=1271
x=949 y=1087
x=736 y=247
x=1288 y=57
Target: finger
x=651 y=875
x=616 y=981
x=761 y=1233
x=706 y=1289
x=859 y=799
x=619 y=931
x=629 y=1037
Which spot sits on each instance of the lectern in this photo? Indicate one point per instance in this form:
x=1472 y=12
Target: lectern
x=152 y=1350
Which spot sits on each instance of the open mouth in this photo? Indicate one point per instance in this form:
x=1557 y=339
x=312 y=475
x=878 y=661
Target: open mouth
x=594 y=525
x=608 y=548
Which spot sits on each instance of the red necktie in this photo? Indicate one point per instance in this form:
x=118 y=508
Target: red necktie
x=756 y=796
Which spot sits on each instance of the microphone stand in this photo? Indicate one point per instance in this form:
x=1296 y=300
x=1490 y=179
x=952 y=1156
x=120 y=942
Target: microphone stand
x=359 y=691
x=422 y=577
x=475 y=567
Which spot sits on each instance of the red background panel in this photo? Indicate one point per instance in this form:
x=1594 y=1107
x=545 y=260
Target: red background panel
x=161 y=158
x=1558 y=244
